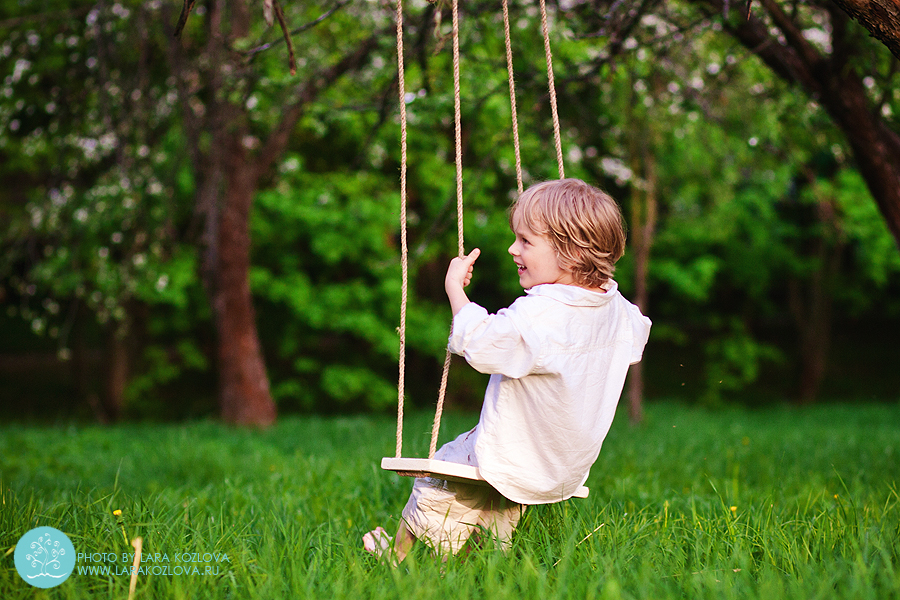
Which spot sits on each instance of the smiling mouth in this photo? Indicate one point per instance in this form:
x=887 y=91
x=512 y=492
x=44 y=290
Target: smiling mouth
x=520 y=268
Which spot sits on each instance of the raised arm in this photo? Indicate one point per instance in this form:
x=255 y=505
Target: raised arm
x=459 y=274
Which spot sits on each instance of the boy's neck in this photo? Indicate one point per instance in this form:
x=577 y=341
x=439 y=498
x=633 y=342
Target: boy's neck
x=598 y=290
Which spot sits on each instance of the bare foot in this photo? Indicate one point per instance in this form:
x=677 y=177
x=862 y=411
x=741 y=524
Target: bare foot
x=378 y=542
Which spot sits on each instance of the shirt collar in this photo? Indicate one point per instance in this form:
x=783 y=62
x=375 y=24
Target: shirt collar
x=574 y=295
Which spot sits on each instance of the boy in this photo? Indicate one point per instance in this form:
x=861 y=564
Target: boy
x=557 y=356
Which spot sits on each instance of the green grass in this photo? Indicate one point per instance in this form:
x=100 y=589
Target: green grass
x=767 y=504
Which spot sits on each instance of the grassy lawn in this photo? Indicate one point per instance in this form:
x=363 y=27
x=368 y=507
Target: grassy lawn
x=770 y=504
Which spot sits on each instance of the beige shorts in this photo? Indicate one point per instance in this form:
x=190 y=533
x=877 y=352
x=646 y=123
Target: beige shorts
x=445 y=514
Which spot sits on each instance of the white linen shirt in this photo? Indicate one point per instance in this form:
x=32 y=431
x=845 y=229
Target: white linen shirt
x=558 y=359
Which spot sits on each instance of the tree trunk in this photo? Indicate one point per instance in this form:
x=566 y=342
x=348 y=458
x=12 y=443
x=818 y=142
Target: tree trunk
x=227 y=176
x=244 y=393
x=812 y=315
x=812 y=307
x=643 y=229
x=80 y=364
x=116 y=373
x=227 y=182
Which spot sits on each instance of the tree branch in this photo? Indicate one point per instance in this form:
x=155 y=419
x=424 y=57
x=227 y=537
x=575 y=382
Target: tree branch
x=784 y=60
x=193 y=125
x=278 y=139
x=880 y=17
x=792 y=34
x=186 y=9
x=300 y=29
x=292 y=63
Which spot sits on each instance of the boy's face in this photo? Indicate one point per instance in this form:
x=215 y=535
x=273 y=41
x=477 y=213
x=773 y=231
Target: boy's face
x=535 y=257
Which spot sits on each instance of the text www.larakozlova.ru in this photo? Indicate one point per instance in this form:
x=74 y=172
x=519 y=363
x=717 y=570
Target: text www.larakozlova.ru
x=197 y=563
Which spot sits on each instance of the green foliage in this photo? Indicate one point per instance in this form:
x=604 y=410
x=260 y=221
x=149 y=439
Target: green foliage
x=332 y=300
x=755 y=191
x=733 y=361
x=90 y=142
x=98 y=196
x=874 y=250
x=728 y=504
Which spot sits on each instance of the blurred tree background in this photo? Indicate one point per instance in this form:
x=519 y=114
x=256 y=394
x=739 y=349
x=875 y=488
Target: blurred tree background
x=189 y=228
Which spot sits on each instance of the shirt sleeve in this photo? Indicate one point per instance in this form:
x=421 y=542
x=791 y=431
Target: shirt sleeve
x=640 y=326
x=494 y=344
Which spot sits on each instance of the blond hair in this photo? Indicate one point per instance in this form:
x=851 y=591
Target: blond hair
x=582 y=223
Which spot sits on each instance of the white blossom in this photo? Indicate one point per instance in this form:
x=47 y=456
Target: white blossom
x=19 y=69
x=614 y=167
x=819 y=38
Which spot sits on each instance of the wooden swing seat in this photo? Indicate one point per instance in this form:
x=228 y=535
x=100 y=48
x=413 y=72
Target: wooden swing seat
x=439 y=469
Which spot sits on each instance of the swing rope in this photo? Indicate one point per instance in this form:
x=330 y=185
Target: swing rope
x=404 y=251
x=512 y=96
x=556 y=136
x=445 y=372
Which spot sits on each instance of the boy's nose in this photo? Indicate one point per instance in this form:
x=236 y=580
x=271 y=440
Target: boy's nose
x=512 y=249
